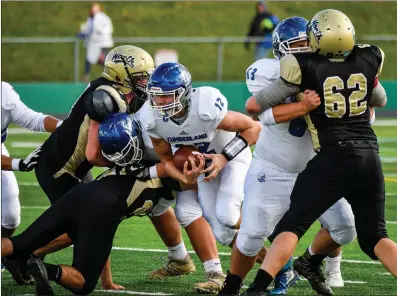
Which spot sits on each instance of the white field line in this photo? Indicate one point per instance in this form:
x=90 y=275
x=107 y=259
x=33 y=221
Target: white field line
x=345 y=281
x=389 y=159
x=134 y=292
x=17 y=144
x=385 y=122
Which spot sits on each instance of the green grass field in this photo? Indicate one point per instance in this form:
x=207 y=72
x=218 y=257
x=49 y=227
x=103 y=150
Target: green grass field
x=138 y=250
x=54 y=62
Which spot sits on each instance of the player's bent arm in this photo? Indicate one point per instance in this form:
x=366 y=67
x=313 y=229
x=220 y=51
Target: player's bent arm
x=51 y=123
x=106 y=278
x=271 y=96
x=32 y=120
x=160 y=171
x=287 y=112
x=6 y=163
x=242 y=124
x=379 y=97
x=164 y=151
x=93 y=149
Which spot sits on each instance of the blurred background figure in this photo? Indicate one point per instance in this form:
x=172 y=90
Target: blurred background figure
x=97 y=34
x=262 y=25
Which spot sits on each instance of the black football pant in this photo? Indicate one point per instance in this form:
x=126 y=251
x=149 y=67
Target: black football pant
x=55 y=188
x=350 y=169
x=90 y=214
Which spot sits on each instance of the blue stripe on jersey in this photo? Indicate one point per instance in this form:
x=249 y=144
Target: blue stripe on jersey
x=4 y=134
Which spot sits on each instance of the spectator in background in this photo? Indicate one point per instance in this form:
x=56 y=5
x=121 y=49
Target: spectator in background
x=262 y=25
x=97 y=34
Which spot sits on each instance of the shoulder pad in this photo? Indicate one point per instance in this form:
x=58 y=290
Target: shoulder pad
x=380 y=55
x=116 y=95
x=212 y=104
x=261 y=73
x=102 y=102
x=290 y=70
x=145 y=117
x=372 y=51
x=9 y=97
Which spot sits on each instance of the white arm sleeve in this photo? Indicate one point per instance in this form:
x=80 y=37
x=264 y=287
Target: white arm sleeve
x=378 y=97
x=267 y=117
x=372 y=119
x=20 y=113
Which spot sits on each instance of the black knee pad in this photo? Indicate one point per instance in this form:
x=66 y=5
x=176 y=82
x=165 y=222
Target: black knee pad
x=88 y=287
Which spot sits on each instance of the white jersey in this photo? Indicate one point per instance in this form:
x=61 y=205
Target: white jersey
x=14 y=111
x=276 y=144
x=149 y=153
x=207 y=108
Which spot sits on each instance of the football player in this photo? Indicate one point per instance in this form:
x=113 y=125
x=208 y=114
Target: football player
x=281 y=153
x=110 y=198
x=14 y=111
x=177 y=114
x=347 y=162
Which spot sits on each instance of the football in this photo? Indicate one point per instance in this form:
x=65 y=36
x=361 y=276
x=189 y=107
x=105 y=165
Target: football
x=182 y=154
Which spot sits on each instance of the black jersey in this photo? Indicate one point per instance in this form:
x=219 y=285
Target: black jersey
x=64 y=150
x=344 y=88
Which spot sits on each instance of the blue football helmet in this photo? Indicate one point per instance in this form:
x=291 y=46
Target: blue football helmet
x=289 y=31
x=169 y=79
x=120 y=139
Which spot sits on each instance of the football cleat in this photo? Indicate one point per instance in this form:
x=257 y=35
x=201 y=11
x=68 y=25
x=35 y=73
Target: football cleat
x=313 y=274
x=174 y=268
x=283 y=281
x=231 y=285
x=213 y=285
x=18 y=271
x=37 y=269
x=252 y=291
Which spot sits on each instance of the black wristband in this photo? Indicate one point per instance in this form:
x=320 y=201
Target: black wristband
x=234 y=147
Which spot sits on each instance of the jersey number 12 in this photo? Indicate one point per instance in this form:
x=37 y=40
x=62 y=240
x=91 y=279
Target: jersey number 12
x=335 y=103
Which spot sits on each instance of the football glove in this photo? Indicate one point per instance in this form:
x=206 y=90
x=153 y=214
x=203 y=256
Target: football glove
x=29 y=162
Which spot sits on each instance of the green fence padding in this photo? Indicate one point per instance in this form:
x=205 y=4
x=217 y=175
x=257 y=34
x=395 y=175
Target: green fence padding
x=57 y=98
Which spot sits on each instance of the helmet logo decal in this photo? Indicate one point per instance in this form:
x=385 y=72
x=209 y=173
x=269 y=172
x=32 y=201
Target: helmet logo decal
x=276 y=37
x=316 y=31
x=118 y=58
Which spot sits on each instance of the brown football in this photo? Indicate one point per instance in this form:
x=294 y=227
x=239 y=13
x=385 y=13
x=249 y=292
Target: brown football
x=182 y=154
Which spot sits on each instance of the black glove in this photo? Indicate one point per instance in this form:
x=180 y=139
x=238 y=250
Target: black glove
x=29 y=162
x=141 y=173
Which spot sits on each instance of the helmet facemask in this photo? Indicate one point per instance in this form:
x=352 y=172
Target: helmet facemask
x=132 y=153
x=285 y=46
x=136 y=86
x=166 y=111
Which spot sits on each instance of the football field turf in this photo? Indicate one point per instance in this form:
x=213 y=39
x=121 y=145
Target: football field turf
x=137 y=249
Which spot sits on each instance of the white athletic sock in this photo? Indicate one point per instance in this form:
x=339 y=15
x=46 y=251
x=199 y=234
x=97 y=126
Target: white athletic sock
x=311 y=251
x=213 y=265
x=177 y=252
x=333 y=264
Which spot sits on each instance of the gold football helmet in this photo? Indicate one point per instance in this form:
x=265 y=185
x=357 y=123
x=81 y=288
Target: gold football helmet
x=331 y=33
x=127 y=66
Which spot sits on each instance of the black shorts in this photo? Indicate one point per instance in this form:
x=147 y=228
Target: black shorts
x=351 y=169
x=55 y=188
